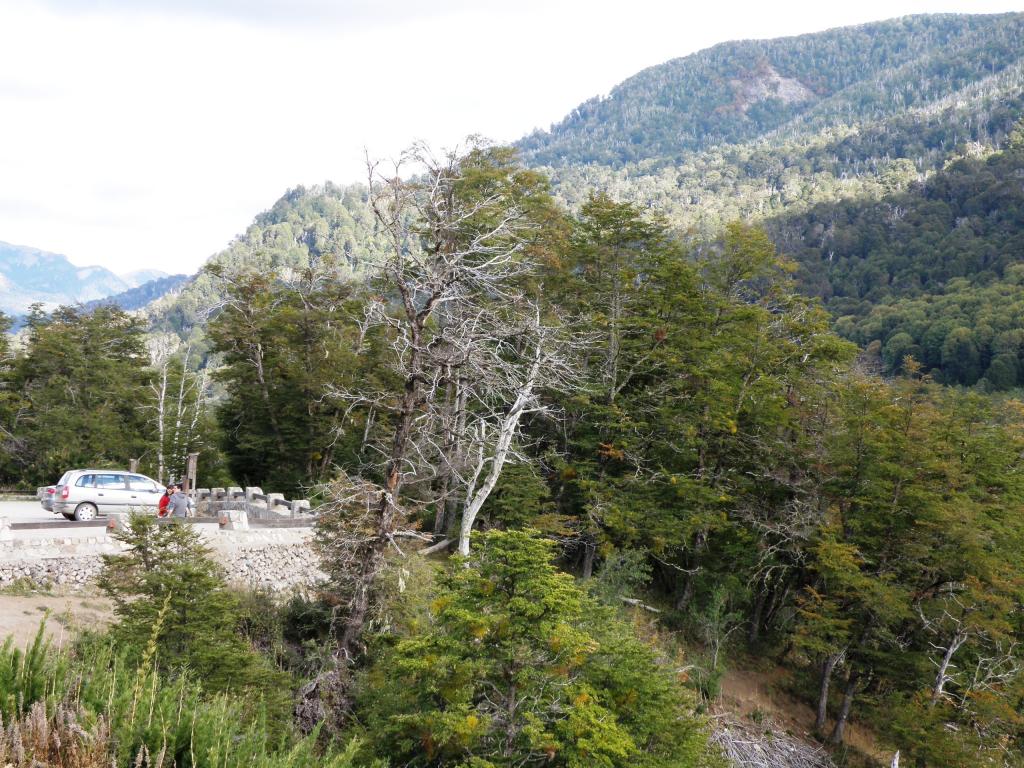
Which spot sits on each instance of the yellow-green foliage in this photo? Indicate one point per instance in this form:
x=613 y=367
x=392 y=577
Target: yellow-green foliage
x=519 y=664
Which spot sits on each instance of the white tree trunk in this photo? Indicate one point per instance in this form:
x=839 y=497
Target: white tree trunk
x=176 y=447
x=161 y=351
x=161 y=400
x=942 y=677
x=507 y=431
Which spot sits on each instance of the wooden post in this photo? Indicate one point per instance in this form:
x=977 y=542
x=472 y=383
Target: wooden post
x=133 y=465
x=189 y=482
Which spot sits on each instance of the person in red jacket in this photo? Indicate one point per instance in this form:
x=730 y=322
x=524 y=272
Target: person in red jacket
x=161 y=510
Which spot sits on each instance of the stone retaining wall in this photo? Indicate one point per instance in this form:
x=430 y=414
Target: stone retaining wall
x=278 y=560
x=72 y=572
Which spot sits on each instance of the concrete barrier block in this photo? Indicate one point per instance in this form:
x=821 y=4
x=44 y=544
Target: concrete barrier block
x=217 y=494
x=234 y=492
x=234 y=520
x=254 y=495
x=5 y=529
x=117 y=521
x=277 y=506
x=300 y=507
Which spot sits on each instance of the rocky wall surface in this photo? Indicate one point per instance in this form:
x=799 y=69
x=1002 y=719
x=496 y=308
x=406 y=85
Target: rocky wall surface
x=73 y=572
x=277 y=560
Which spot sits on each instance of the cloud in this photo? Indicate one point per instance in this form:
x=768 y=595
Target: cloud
x=300 y=13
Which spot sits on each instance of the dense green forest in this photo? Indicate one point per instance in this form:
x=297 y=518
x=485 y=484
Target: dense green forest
x=739 y=91
x=932 y=271
x=704 y=373
x=672 y=417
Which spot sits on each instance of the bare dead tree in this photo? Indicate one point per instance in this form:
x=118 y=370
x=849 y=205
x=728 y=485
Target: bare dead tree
x=471 y=349
x=954 y=628
x=161 y=349
x=955 y=618
x=508 y=386
x=178 y=408
x=188 y=410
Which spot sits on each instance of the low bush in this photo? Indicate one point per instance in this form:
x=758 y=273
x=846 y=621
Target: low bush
x=97 y=705
x=167 y=568
x=517 y=665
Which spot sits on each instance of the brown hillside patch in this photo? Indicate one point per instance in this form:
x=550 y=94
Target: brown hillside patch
x=756 y=695
x=20 y=616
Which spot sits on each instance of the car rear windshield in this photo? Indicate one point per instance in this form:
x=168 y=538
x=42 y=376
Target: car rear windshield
x=141 y=483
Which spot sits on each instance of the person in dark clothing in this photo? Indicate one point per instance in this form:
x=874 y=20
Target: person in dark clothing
x=178 y=504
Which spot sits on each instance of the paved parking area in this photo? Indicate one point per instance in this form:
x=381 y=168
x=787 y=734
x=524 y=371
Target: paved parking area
x=30 y=513
x=26 y=512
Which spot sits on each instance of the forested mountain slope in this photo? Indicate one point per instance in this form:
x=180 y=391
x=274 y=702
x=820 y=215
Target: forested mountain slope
x=799 y=166
x=864 y=149
x=868 y=151
x=143 y=294
x=321 y=224
x=739 y=91
x=935 y=271
x=865 y=141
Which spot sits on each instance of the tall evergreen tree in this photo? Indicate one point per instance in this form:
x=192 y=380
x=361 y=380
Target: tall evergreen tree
x=518 y=666
x=82 y=393
x=286 y=345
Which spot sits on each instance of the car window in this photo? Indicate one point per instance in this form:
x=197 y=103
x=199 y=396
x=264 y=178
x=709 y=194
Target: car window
x=113 y=482
x=86 y=481
x=141 y=483
x=63 y=478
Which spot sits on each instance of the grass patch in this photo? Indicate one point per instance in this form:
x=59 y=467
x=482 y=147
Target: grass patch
x=25 y=587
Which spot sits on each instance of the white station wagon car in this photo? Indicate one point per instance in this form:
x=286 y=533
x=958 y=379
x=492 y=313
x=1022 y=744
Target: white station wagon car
x=81 y=494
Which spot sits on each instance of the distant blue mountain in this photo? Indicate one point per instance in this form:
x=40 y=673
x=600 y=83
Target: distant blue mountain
x=141 y=295
x=29 y=275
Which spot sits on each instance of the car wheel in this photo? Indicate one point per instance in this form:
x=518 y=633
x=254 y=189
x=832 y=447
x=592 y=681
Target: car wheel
x=85 y=511
x=68 y=515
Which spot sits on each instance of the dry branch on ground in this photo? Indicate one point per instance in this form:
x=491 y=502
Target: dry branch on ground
x=752 y=745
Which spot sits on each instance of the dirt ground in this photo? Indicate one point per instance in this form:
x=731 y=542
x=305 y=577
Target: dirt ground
x=747 y=692
x=20 y=615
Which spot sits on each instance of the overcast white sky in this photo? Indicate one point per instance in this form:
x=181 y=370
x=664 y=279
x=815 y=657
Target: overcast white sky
x=147 y=133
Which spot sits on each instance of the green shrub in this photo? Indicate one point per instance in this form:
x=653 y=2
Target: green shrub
x=519 y=665
x=624 y=573
x=167 y=568
x=294 y=633
x=29 y=676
